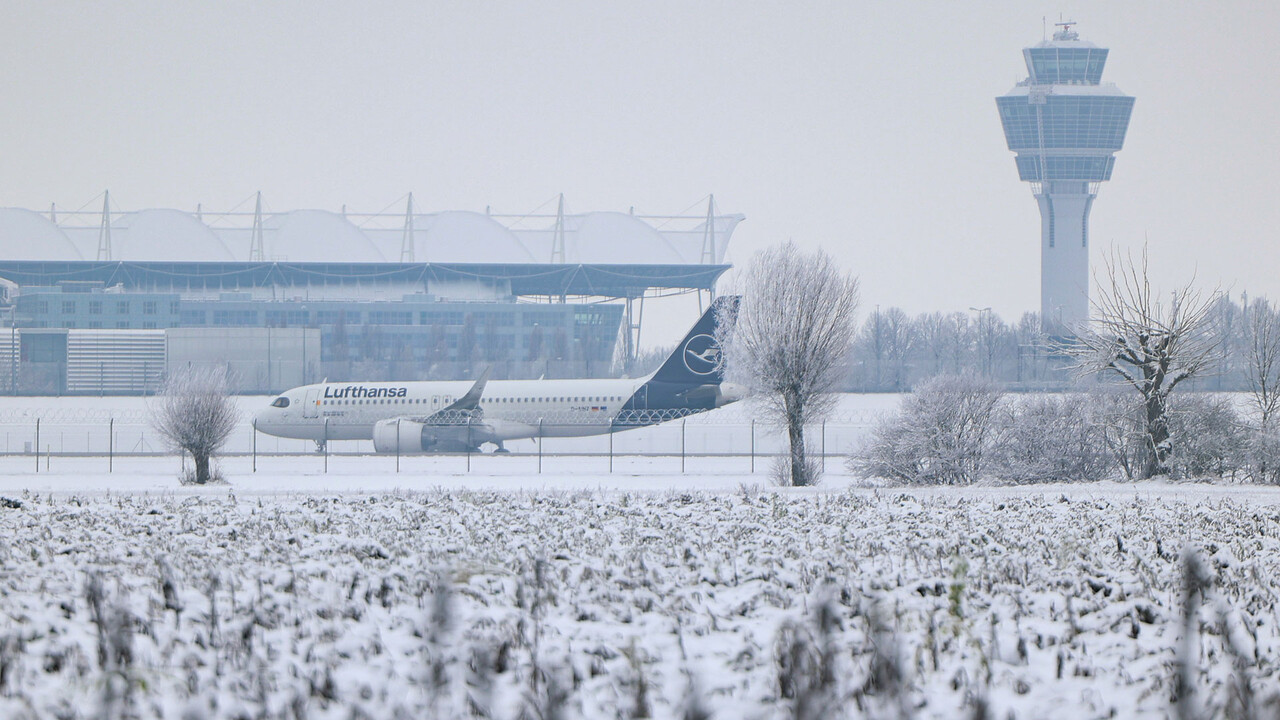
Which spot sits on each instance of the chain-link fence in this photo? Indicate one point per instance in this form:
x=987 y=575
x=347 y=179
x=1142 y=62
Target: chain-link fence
x=46 y=434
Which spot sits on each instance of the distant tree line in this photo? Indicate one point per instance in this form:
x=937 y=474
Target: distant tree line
x=895 y=352
x=1123 y=418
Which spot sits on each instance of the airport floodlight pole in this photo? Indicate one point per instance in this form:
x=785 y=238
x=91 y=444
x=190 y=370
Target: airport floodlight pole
x=789 y=341
x=986 y=336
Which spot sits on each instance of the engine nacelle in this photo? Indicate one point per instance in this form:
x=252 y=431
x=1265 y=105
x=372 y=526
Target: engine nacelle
x=410 y=436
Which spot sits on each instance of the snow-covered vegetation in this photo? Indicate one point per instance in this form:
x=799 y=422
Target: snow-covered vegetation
x=748 y=604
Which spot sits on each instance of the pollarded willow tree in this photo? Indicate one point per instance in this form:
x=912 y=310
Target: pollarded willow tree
x=789 y=340
x=195 y=413
x=1152 y=346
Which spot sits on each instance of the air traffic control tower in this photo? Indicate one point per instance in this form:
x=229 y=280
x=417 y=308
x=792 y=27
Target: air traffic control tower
x=1065 y=125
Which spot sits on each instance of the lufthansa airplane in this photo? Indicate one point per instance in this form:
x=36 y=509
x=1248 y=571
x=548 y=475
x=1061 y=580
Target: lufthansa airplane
x=447 y=416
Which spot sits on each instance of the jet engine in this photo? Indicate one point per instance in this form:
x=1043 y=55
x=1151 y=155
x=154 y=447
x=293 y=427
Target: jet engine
x=414 y=436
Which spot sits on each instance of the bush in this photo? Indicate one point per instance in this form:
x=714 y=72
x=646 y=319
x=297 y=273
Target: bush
x=1264 y=455
x=940 y=437
x=1209 y=437
x=1054 y=438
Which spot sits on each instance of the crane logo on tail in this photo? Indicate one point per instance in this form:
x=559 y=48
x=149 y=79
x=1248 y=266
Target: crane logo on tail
x=702 y=354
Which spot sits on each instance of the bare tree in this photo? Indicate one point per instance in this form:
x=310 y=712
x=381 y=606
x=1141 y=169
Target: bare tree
x=1262 y=360
x=195 y=413
x=1262 y=372
x=793 y=329
x=1150 y=345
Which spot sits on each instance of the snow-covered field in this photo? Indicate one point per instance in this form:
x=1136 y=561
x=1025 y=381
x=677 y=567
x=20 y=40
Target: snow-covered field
x=649 y=590
x=1047 y=602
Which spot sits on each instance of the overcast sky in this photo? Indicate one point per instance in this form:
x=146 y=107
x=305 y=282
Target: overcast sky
x=867 y=129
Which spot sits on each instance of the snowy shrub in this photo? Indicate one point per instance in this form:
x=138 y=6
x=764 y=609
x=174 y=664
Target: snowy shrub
x=781 y=470
x=1264 y=455
x=1052 y=438
x=1124 y=435
x=1208 y=437
x=942 y=435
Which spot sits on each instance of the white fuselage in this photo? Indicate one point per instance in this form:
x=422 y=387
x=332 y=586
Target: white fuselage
x=525 y=408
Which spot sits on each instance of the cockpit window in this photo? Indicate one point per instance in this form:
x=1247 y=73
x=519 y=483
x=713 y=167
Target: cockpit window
x=281 y=402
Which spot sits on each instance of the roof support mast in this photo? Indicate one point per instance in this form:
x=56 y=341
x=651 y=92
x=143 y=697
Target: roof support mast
x=255 y=244
x=557 y=240
x=709 y=244
x=406 y=244
x=104 y=230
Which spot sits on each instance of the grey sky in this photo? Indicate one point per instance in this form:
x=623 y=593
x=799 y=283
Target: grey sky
x=868 y=129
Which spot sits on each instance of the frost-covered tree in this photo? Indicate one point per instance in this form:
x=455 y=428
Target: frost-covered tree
x=792 y=332
x=943 y=434
x=196 y=414
x=1262 y=360
x=1151 y=345
x=1262 y=374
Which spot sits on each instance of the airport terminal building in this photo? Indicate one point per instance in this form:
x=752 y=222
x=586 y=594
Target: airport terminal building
x=109 y=302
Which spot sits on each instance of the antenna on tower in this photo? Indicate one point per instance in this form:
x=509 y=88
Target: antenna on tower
x=557 y=241
x=255 y=243
x=406 y=243
x=104 y=230
x=1065 y=32
x=709 y=235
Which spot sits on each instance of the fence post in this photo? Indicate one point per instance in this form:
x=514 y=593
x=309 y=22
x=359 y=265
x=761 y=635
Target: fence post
x=397 y=444
x=539 y=446
x=255 y=444
x=111 y=444
x=753 y=447
x=610 y=452
x=824 y=446
x=682 y=422
x=326 y=446
x=37 y=444
x=468 y=443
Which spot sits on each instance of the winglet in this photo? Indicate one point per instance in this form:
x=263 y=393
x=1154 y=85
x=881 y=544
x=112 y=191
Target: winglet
x=471 y=400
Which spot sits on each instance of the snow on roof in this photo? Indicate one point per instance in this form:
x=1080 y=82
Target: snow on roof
x=316 y=236
x=28 y=235
x=149 y=235
x=299 y=236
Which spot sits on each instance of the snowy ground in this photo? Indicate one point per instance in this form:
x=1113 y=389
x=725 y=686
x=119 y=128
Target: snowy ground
x=498 y=591
x=1045 y=602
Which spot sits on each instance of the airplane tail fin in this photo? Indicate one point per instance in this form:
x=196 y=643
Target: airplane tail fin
x=697 y=359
